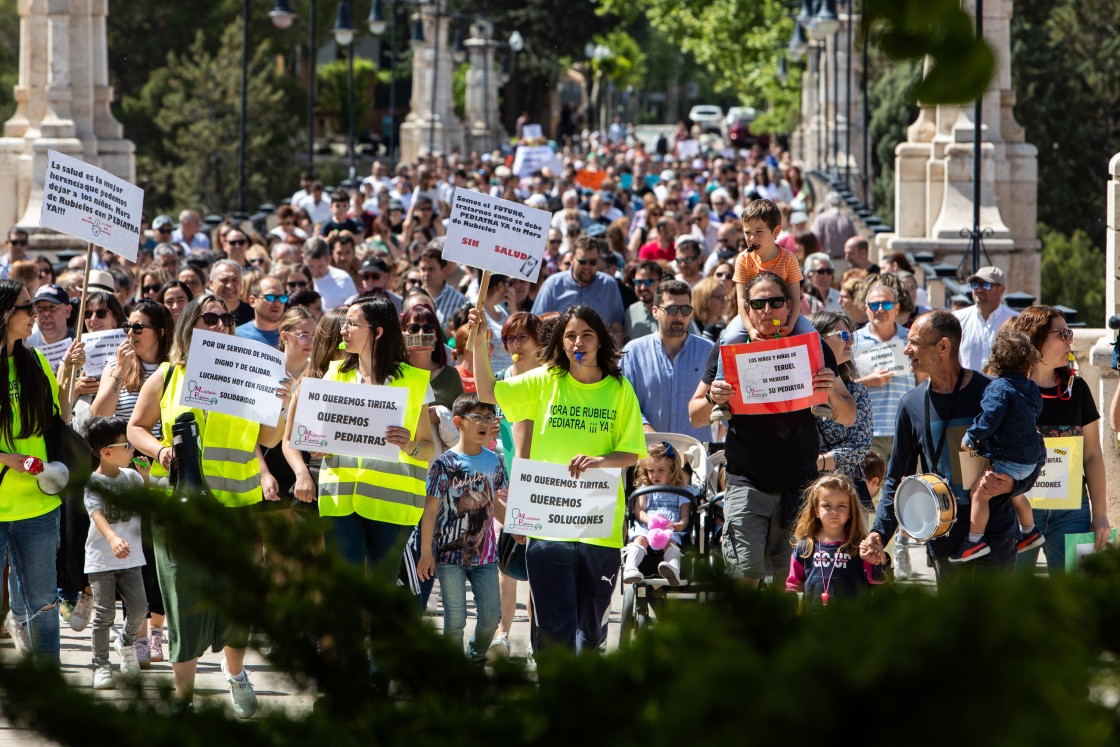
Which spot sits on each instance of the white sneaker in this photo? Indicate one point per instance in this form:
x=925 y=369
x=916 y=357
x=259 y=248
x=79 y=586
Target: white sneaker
x=499 y=648
x=103 y=677
x=244 y=697
x=21 y=636
x=670 y=567
x=130 y=666
x=155 y=643
x=83 y=611
x=143 y=652
x=902 y=567
x=631 y=575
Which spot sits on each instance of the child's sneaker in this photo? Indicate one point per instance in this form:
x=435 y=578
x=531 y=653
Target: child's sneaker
x=143 y=652
x=83 y=610
x=155 y=644
x=499 y=648
x=902 y=569
x=130 y=667
x=103 y=677
x=631 y=575
x=21 y=636
x=241 y=690
x=1031 y=541
x=970 y=550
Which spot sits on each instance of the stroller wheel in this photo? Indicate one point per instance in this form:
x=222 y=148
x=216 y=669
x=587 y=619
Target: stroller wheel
x=635 y=614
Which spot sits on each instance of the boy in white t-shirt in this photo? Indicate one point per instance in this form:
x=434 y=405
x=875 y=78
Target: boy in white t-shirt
x=113 y=553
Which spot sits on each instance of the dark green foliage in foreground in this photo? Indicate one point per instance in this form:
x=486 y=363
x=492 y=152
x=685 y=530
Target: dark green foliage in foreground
x=747 y=667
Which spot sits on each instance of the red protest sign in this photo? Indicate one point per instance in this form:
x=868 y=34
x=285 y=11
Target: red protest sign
x=773 y=376
x=590 y=179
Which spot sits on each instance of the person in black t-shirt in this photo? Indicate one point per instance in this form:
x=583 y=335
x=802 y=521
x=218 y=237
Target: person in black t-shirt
x=770 y=458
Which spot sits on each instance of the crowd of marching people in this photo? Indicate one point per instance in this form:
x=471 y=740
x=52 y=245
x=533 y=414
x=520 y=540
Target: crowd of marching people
x=651 y=264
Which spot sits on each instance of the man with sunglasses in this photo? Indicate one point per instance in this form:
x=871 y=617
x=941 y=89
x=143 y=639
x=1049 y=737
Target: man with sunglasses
x=821 y=272
x=981 y=321
x=639 y=320
x=16 y=244
x=688 y=260
x=583 y=284
x=235 y=243
x=665 y=368
x=268 y=299
x=375 y=277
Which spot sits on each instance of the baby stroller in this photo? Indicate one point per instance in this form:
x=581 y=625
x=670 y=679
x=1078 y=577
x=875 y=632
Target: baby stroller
x=700 y=538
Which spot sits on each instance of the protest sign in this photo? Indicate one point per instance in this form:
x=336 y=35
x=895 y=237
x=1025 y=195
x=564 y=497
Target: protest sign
x=532 y=158
x=1059 y=484
x=91 y=204
x=1080 y=544
x=772 y=376
x=348 y=419
x=100 y=347
x=688 y=149
x=531 y=132
x=496 y=235
x=589 y=179
x=54 y=351
x=885 y=356
x=546 y=501
x=233 y=376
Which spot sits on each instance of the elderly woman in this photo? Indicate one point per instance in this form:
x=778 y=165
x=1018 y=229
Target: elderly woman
x=765 y=474
x=228 y=451
x=711 y=301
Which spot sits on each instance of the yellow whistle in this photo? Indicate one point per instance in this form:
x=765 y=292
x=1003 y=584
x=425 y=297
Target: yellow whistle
x=342 y=345
x=516 y=357
x=1072 y=358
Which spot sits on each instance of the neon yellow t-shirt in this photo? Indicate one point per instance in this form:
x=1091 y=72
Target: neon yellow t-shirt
x=571 y=418
x=20 y=497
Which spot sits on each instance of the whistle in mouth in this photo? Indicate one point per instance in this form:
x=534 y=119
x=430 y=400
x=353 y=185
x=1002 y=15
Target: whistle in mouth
x=342 y=345
x=516 y=357
x=579 y=358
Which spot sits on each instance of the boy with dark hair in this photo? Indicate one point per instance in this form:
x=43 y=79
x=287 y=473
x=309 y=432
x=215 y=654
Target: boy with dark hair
x=456 y=532
x=113 y=552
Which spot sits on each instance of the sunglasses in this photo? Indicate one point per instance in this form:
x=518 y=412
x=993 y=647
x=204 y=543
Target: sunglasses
x=1065 y=335
x=46 y=273
x=23 y=307
x=723 y=275
x=135 y=327
x=126 y=444
x=149 y=288
x=822 y=271
x=257 y=260
x=414 y=282
x=99 y=313
x=640 y=283
x=673 y=309
x=884 y=305
x=556 y=242
x=774 y=302
x=164 y=229
x=274 y=297
x=237 y=242
x=210 y=319
x=415 y=329
x=584 y=262
x=843 y=334
x=977 y=285
x=687 y=260
x=18 y=242
x=371 y=276
x=297 y=284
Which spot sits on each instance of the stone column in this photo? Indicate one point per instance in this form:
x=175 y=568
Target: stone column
x=484 y=129
x=420 y=127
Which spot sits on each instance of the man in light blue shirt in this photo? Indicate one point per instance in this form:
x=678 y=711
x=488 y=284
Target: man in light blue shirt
x=267 y=297
x=666 y=367
x=583 y=284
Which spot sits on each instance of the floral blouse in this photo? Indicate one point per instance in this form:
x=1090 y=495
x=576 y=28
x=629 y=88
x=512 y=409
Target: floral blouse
x=849 y=444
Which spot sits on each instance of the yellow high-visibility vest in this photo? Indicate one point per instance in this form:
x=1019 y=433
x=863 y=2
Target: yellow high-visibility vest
x=379 y=490
x=229 y=458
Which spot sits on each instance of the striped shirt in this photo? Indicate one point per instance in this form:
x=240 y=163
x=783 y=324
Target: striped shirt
x=126 y=400
x=447 y=303
x=884 y=399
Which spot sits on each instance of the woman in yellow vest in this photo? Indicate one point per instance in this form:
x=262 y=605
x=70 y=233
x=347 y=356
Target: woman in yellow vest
x=371 y=505
x=29 y=518
x=231 y=470
x=571 y=581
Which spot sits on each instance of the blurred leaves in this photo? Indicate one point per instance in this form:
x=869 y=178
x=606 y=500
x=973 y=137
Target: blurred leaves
x=1073 y=273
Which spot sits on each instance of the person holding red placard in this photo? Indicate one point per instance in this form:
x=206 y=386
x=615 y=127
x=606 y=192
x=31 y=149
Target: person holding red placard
x=769 y=457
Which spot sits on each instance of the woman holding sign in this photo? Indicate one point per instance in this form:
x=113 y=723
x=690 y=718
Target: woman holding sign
x=770 y=457
x=1068 y=410
x=585 y=415
x=231 y=470
x=29 y=518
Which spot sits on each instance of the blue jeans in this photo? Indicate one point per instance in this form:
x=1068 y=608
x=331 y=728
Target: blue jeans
x=1055 y=524
x=488 y=608
x=375 y=545
x=32 y=549
x=736 y=333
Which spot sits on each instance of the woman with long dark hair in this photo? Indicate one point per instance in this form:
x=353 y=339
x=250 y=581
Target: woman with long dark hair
x=29 y=518
x=579 y=373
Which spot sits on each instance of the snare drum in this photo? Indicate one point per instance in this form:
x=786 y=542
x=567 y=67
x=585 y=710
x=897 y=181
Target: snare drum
x=925 y=506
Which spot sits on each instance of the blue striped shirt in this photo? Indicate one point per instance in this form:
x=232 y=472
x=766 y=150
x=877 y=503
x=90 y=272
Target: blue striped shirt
x=884 y=399
x=664 y=387
x=447 y=303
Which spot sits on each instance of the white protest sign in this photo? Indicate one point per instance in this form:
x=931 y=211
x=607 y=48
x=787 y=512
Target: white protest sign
x=349 y=419
x=91 y=204
x=688 y=149
x=498 y=235
x=545 y=501
x=1059 y=484
x=885 y=356
x=532 y=132
x=233 y=376
x=100 y=347
x=53 y=351
x=532 y=158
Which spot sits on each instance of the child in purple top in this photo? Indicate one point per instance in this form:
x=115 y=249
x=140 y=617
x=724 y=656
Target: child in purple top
x=1006 y=432
x=826 y=562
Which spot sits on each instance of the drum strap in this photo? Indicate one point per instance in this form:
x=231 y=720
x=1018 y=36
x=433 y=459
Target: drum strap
x=944 y=431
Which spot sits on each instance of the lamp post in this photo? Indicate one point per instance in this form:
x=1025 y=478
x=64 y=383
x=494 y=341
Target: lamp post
x=516 y=45
x=822 y=25
x=343 y=32
x=282 y=16
x=243 y=122
x=377 y=26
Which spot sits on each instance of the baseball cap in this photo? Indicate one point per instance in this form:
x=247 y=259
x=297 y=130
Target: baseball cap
x=395 y=205
x=799 y=216
x=988 y=275
x=374 y=264
x=162 y=220
x=52 y=293
x=101 y=280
